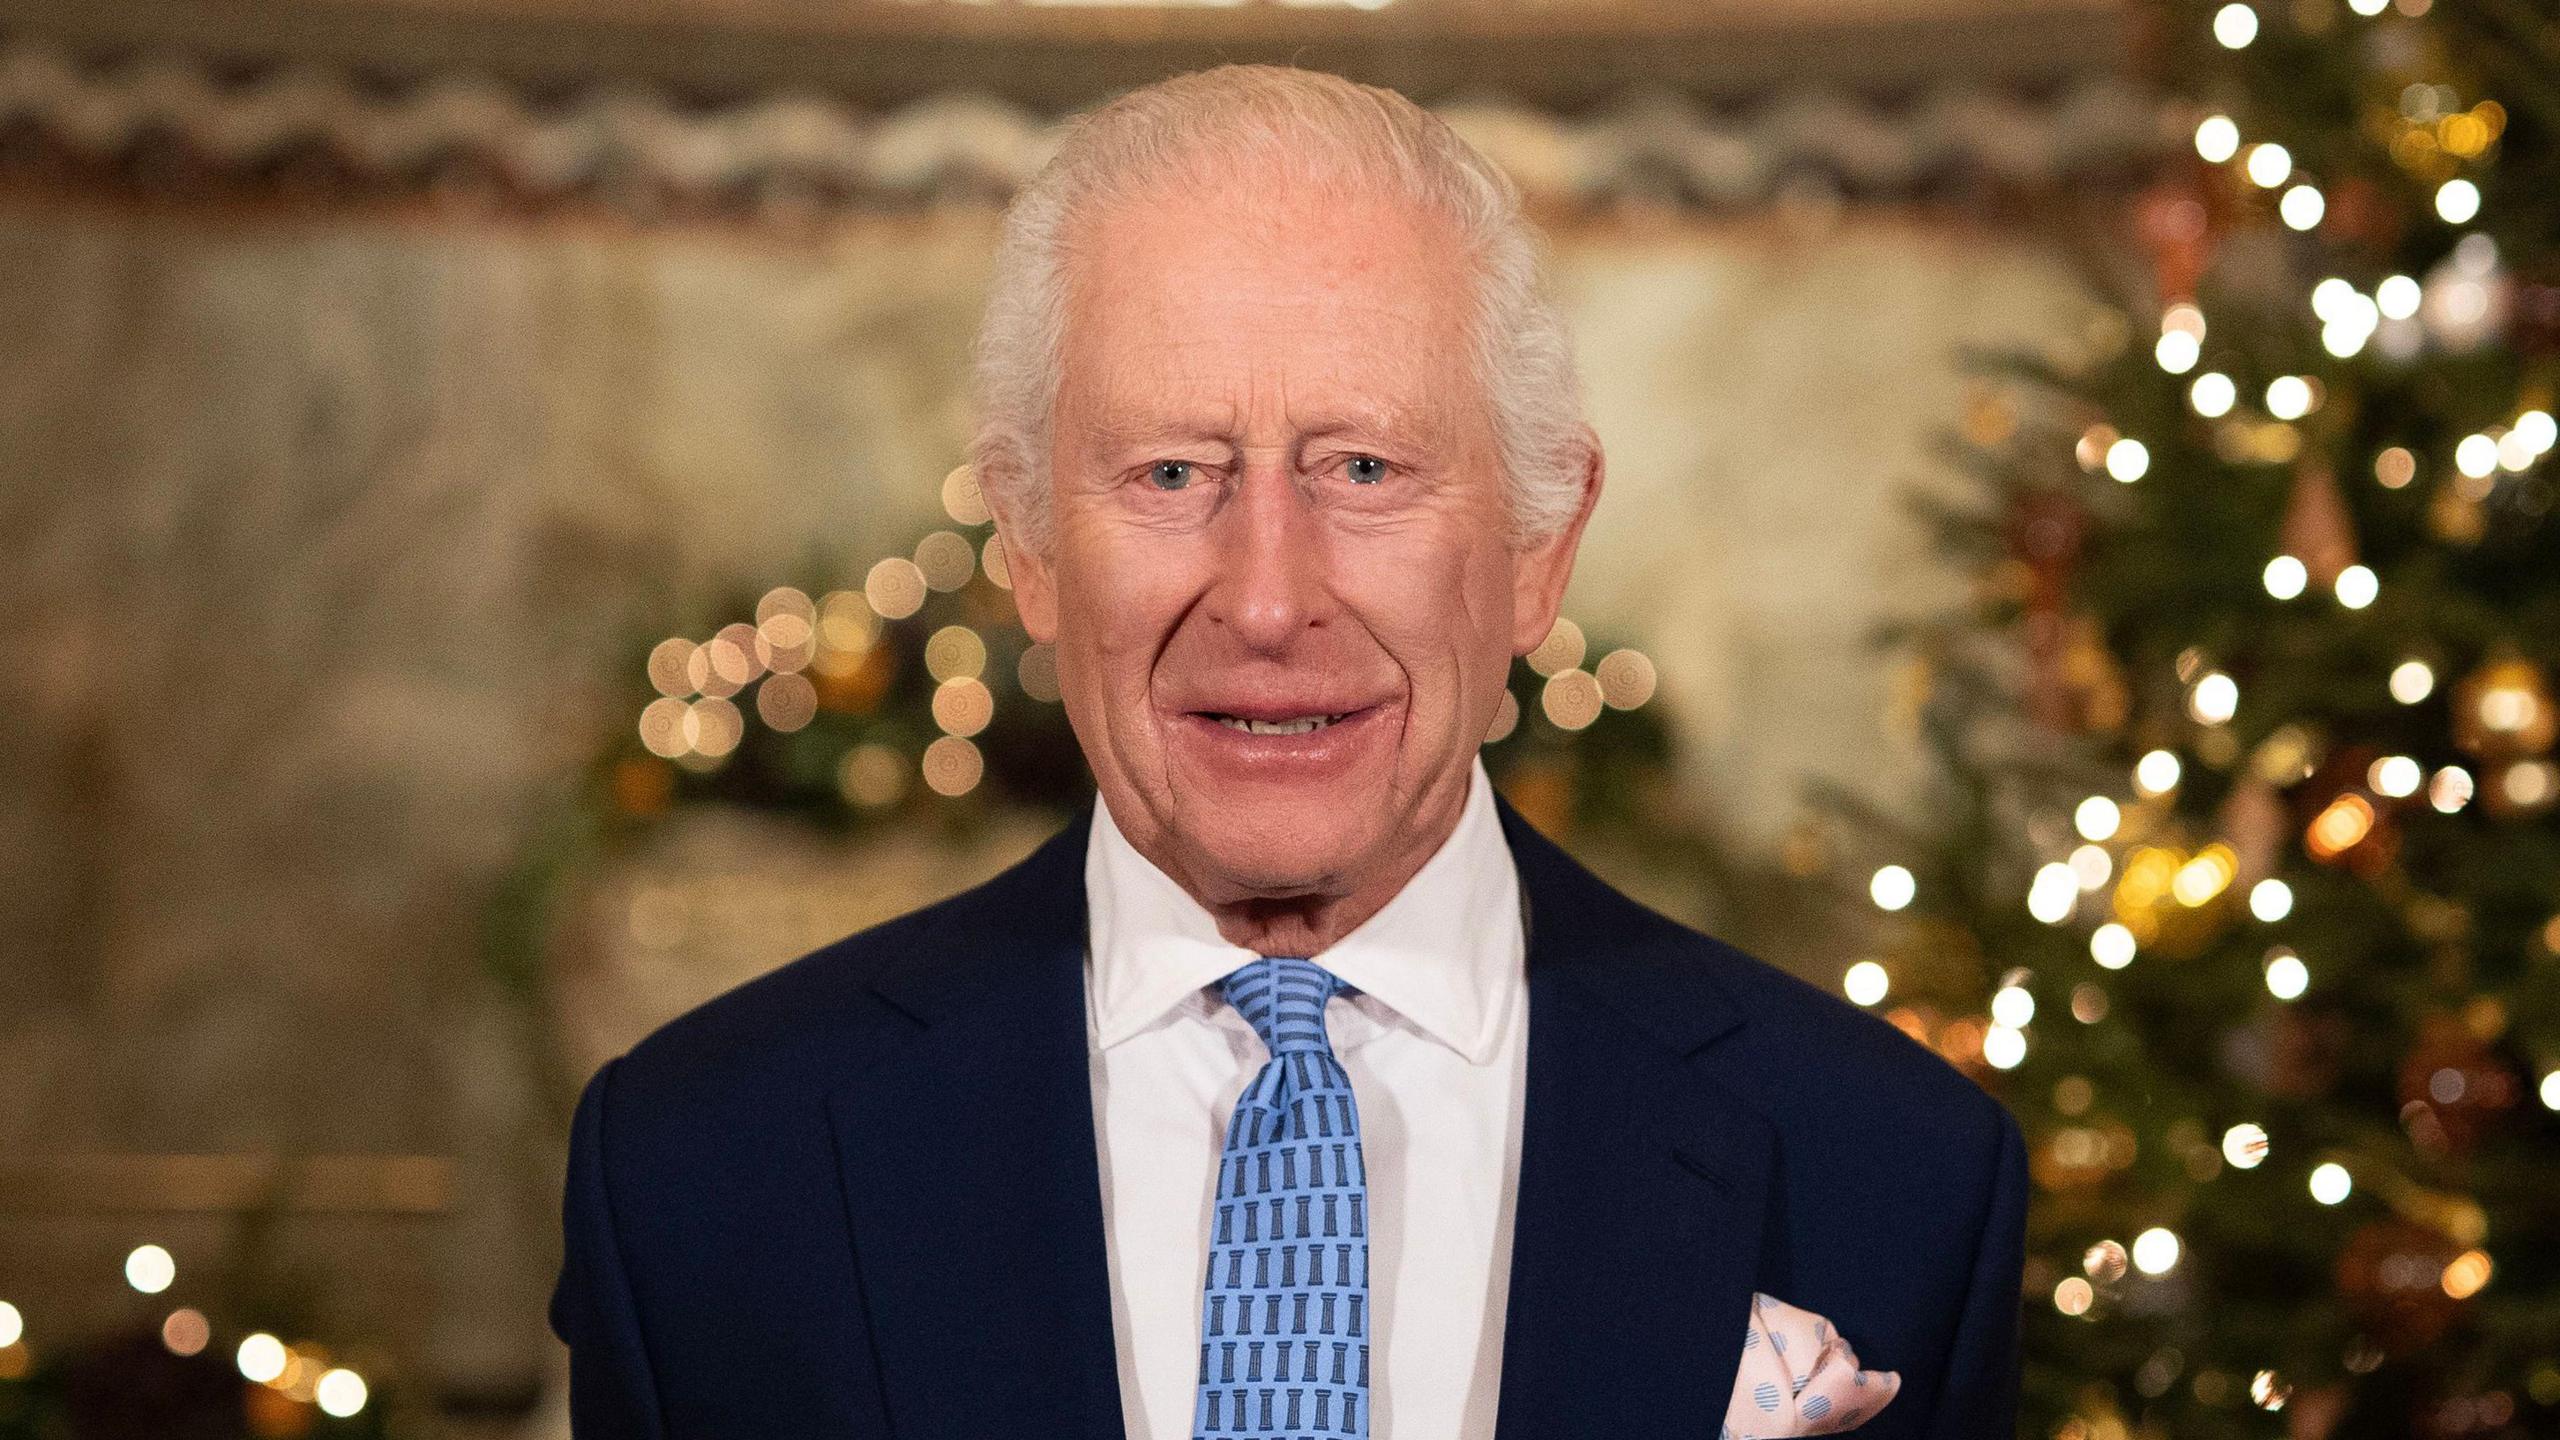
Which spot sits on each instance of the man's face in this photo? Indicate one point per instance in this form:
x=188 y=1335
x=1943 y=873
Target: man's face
x=1279 y=579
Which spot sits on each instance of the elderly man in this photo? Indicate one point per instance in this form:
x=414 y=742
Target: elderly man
x=1297 y=1088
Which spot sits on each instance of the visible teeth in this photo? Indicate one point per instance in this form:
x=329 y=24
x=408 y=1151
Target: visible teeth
x=1300 y=726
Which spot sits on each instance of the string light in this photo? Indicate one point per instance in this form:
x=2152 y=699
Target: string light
x=14 y=1325
x=2271 y=899
x=2398 y=296
x=149 y=1269
x=2155 y=1251
x=2156 y=773
x=2217 y=139
x=2245 y=1146
x=2268 y=165
x=2457 y=201
x=2213 y=394
x=2412 y=681
x=261 y=1358
x=1892 y=887
x=2302 y=207
x=2330 y=1183
x=2287 y=977
x=2112 y=945
x=2285 y=577
x=2096 y=818
x=1866 y=982
x=2235 y=25
x=2357 y=586
x=2128 y=460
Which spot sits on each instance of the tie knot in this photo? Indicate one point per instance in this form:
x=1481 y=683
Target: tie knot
x=1282 y=997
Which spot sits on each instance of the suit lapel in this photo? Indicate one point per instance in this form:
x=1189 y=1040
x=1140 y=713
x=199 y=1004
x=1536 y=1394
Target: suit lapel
x=970 y=1178
x=1643 y=1186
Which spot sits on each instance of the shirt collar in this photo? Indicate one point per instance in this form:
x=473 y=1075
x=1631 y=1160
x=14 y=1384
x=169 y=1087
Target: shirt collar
x=1445 y=953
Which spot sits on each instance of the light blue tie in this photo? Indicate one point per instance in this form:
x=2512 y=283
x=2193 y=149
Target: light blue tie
x=1284 y=1317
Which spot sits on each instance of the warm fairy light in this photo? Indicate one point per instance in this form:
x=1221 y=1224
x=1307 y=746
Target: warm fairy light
x=2112 y=945
x=2183 y=319
x=2245 y=1146
x=2128 y=460
x=2091 y=865
x=340 y=1393
x=2013 y=1006
x=2235 y=25
x=2104 y=1261
x=2340 y=826
x=2476 y=456
x=2155 y=1251
x=2368 y=8
x=712 y=727
x=186 y=1332
x=2284 y=577
x=670 y=664
x=2217 y=139
x=2091 y=448
x=2289 y=397
x=963 y=706
x=2357 y=585
x=2529 y=783
x=2004 y=1047
x=2395 y=467
x=2213 y=394
x=1892 y=887
x=2096 y=818
x=1571 y=699
x=2550 y=1093
x=2271 y=899
x=952 y=766
x=2450 y=790
x=1626 y=677
x=872 y=776
x=2467 y=1272
x=2457 y=201
x=2332 y=298
x=2053 y=893
x=2287 y=976
x=2088 y=1003
x=2330 y=1182
x=2268 y=165
x=2268 y=1391
x=991 y=559
x=149 y=1269
x=787 y=702
x=961 y=498
x=2073 y=1296
x=2205 y=876
x=895 y=587
x=2302 y=207
x=2177 y=352
x=1866 y=983
x=2538 y=430
x=946 y=559
x=2156 y=773
x=2215 y=699
x=1562 y=650
x=1506 y=718
x=2397 y=296
x=954 y=653
x=1037 y=673
x=14 y=1325
x=2397 y=776
x=261 y=1357
x=2412 y=681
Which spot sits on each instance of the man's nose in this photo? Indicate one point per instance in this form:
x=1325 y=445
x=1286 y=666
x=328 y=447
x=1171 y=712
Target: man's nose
x=1271 y=559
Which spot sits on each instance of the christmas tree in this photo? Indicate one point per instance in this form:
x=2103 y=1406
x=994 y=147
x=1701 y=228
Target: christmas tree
x=2248 y=828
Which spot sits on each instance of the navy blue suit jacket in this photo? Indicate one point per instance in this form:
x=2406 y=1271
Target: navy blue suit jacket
x=859 y=1196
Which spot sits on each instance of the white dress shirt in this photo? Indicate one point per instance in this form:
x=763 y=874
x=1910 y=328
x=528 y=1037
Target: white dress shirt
x=1436 y=1046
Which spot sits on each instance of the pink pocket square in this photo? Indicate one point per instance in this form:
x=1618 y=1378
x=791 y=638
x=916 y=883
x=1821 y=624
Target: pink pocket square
x=1799 y=1377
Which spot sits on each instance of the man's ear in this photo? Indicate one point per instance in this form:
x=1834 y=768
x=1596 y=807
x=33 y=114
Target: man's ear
x=1539 y=570
x=1035 y=591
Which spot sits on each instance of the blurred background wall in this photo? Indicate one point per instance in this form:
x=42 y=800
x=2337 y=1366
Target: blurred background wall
x=372 y=374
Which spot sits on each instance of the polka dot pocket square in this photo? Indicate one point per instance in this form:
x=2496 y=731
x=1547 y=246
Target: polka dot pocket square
x=1799 y=1377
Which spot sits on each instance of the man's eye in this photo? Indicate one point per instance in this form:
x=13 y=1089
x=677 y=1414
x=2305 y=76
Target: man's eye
x=1169 y=474
x=1367 y=469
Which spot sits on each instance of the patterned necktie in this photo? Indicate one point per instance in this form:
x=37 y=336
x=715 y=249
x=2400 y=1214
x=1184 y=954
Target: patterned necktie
x=1284 y=1323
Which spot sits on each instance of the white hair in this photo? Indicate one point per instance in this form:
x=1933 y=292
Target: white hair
x=1252 y=120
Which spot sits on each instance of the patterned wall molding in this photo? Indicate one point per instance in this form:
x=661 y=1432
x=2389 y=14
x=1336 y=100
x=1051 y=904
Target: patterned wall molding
x=174 y=123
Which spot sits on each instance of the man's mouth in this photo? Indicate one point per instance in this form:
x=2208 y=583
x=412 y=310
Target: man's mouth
x=1294 y=725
